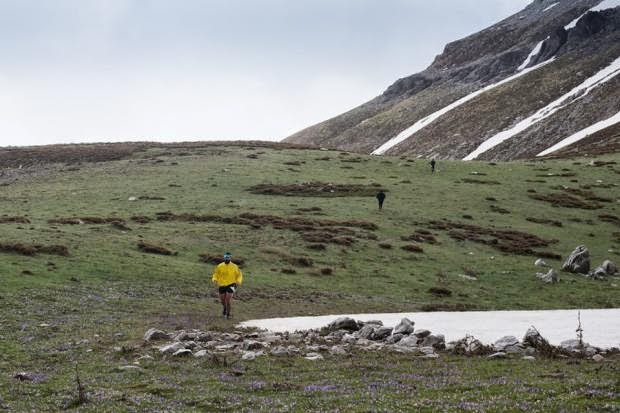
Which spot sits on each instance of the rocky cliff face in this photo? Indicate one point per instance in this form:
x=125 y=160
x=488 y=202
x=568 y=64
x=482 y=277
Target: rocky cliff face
x=510 y=91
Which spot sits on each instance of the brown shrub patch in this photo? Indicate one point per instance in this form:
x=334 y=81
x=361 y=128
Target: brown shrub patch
x=288 y=271
x=544 y=221
x=316 y=247
x=317 y=189
x=326 y=271
x=86 y=220
x=141 y=219
x=298 y=261
x=554 y=175
x=34 y=249
x=479 y=181
x=562 y=200
x=499 y=210
x=385 y=245
x=440 y=291
x=217 y=259
x=153 y=249
x=310 y=210
x=14 y=220
x=509 y=241
x=586 y=194
x=421 y=235
x=120 y=225
x=151 y=198
x=447 y=307
x=610 y=218
x=412 y=248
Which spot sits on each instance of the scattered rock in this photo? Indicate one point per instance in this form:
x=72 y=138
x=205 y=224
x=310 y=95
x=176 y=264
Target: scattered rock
x=154 y=334
x=578 y=261
x=249 y=356
x=598 y=358
x=279 y=351
x=171 y=348
x=530 y=358
x=548 y=278
x=129 y=367
x=603 y=270
x=437 y=341
x=498 y=355
x=409 y=341
x=421 y=333
x=337 y=350
x=182 y=352
x=506 y=341
x=31 y=377
x=540 y=263
x=404 y=327
x=381 y=333
x=573 y=345
x=313 y=356
x=343 y=323
x=252 y=345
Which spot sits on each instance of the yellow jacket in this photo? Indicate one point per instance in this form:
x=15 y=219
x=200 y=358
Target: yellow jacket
x=226 y=274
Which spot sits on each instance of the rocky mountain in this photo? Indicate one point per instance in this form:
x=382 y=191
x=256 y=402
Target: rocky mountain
x=540 y=82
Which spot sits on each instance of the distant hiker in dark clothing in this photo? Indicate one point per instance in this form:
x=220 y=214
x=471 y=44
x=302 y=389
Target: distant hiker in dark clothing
x=433 y=166
x=381 y=198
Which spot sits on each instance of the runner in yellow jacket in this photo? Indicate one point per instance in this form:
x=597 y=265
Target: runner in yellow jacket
x=228 y=277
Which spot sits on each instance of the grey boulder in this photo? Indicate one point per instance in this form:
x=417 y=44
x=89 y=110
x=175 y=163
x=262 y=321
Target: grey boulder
x=578 y=261
x=404 y=327
x=343 y=323
x=154 y=334
x=549 y=278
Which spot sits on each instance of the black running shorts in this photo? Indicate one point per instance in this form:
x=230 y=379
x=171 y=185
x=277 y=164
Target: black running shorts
x=230 y=289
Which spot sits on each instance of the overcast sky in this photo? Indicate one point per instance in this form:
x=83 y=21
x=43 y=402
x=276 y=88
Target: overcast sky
x=168 y=70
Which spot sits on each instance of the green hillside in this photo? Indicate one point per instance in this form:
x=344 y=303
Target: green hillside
x=464 y=238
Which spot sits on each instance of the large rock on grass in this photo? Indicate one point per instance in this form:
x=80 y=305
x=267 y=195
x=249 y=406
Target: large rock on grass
x=578 y=261
x=602 y=271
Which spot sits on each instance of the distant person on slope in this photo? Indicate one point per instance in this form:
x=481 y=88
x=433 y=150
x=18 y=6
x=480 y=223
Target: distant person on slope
x=228 y=277
x=433 y=163
x=381 y=198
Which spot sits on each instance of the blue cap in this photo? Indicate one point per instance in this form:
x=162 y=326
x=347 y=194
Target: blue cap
x=227 y=255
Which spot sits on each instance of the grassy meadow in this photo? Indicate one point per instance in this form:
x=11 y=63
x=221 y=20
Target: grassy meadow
x=471 y=233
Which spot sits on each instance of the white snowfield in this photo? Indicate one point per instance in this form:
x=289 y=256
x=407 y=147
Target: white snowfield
x=574 y=95
x=424 y=122
x=601 y=327
x=584 y=133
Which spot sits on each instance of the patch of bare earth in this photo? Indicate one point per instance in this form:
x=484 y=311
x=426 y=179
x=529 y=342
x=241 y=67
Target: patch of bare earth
x=316 y=189
x=34 y=249
x=508 y=241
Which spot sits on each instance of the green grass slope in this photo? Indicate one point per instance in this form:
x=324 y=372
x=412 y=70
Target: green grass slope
x=303 y=255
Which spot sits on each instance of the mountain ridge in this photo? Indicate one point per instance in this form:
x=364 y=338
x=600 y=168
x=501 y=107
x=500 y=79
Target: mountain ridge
x=574 y=38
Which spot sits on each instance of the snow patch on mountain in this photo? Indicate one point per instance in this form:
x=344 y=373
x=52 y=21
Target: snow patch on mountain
x=424 y=122
x=532 y=54
x=575 y=94
x=584 y=133
x=550 y=7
